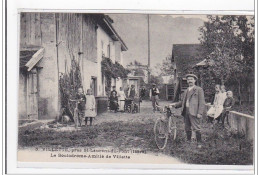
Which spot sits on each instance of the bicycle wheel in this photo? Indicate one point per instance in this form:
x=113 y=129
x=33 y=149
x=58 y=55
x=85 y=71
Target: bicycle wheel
x=174 y=129
x=129 y=108
x=76 y=118
x=161 y=133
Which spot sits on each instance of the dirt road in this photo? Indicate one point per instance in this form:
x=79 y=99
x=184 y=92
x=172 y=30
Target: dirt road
x=125 y=132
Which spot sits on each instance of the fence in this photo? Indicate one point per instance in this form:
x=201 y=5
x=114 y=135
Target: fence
x=241 y=123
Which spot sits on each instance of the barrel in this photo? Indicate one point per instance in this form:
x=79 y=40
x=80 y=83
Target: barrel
x=102 y=104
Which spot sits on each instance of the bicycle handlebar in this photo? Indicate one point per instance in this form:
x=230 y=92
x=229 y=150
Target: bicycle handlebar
x=75 y=100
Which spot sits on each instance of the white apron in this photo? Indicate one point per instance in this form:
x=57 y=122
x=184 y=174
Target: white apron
x=90 y=106
x=217 y=107
x=121 y=96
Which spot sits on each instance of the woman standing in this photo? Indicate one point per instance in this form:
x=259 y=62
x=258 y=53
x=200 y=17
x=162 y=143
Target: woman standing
x=121 y=99
x=217 y=107
x=90 y=112
x=224 y=92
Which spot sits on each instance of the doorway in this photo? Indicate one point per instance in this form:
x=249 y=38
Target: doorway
x=93 y=85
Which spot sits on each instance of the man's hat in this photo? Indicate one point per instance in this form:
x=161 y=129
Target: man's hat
x=191 y=75
x=153 y=84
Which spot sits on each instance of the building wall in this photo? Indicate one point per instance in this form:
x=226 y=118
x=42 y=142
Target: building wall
x=22 y=96
x=118 y=53
x=39 y=29
x=119 y=83
x=76 y=39
x=103 y=41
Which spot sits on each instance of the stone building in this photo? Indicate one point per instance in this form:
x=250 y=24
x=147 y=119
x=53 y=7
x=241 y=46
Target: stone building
x=48 y=43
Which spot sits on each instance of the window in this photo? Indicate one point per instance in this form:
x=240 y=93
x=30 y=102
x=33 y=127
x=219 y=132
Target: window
x=108 y=51
x=102 y=48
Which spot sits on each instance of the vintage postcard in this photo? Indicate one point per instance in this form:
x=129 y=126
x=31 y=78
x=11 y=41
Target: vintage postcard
x=136 y=88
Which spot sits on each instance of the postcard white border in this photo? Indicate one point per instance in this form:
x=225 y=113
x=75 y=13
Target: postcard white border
x=245 y=7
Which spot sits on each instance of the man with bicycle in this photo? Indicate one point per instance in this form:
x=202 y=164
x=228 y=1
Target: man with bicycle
x=192 y=108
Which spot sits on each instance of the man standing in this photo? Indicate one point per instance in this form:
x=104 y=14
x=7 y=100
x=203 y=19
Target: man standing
x=154 y=92
x=142 y=93
x=131 y=93
x=126 y=91
x=192 y=108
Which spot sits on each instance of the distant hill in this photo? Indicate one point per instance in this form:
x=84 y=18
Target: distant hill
x=165 y=31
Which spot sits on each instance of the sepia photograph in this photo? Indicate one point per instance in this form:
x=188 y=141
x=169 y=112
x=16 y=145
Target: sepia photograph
x=136 y=88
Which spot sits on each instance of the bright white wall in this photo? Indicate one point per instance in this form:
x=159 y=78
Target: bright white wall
x=103 y=37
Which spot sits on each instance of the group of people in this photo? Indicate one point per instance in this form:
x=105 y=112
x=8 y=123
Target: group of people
x=117 y=99
x=193 y=105
x=86 y=106
x=223 y=102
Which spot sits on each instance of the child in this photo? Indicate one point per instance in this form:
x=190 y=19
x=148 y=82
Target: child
x=228 y=104
x=90 y=107
x=81 y=104
x=215 y=111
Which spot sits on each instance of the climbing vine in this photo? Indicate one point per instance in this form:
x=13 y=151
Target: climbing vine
x=112 y=70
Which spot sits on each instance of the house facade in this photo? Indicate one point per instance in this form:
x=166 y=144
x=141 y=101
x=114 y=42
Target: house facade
x=48 y=44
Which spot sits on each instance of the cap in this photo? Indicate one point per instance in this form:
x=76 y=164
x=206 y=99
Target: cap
x=191 y=75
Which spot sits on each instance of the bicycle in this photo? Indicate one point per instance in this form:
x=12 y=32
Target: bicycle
x=165 y=127
x=76 y=113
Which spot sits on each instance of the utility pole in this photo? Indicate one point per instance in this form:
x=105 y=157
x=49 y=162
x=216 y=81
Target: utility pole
x=149 y=74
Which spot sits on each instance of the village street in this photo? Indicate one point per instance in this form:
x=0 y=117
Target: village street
x=126 y=131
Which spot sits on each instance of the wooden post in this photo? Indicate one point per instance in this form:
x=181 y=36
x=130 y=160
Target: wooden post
x=57 y=49
x=239 y=91
x=149 y=74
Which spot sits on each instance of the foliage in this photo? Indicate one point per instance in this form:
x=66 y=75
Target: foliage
x=138 y=70
x=167 y=67
x=69 y=83
x=157 y=80
x=112 y=70
x=228 y=41
x=219 y=145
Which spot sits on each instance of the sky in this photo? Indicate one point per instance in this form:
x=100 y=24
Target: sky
x=165 y=30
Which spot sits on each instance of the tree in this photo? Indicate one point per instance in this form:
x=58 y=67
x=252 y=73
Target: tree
x=166 y=68
x=229 y=42
x=137 y=68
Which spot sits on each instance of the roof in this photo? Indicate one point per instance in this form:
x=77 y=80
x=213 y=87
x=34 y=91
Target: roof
x=185 y=56
x=25 y=56
x=106 y=23
x=30 y=56
x=204 y=63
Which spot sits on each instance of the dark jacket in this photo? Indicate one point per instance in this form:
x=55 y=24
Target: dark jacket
x=196 y=101
x=143 y=91
x=229 y=102
x=81 y=105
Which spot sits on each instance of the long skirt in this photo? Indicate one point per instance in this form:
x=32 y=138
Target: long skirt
x=113 y=105
x=121 y=105
x=215 y=111
x=90 y=113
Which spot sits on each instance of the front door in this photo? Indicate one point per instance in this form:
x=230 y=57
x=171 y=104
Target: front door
x=32 y=94
x=93 y=86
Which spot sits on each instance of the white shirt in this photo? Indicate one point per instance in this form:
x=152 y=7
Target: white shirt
x=187 y=102
x=190 y=88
